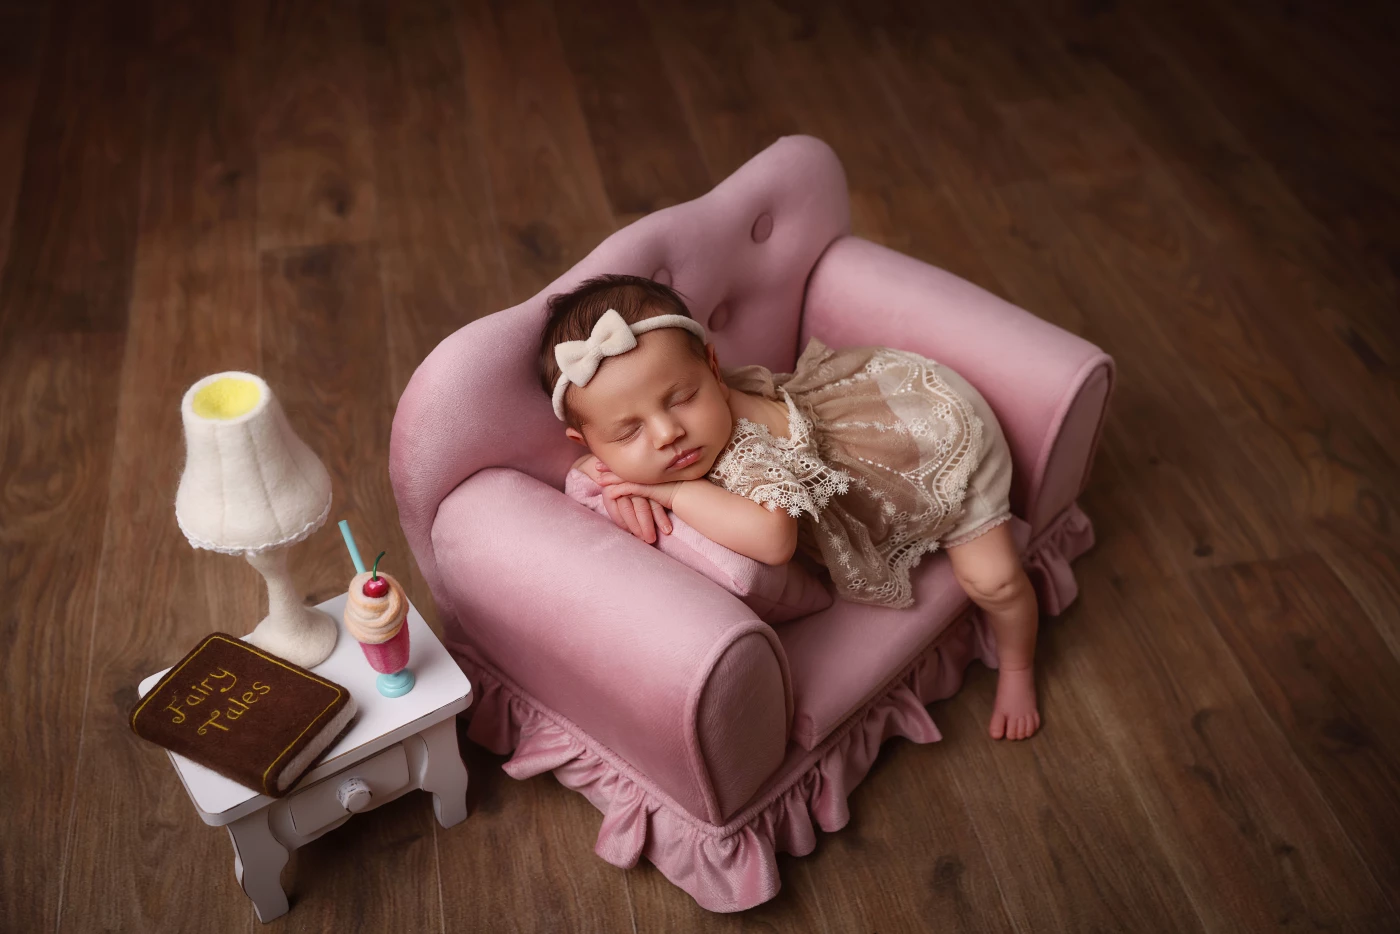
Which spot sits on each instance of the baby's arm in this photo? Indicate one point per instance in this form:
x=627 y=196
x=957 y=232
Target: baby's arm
x=736 y=522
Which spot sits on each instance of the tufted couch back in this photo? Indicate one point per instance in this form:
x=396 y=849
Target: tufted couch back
x=740 y=255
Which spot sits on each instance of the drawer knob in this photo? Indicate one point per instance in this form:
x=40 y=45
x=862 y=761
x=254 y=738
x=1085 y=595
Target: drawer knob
x=354 y=795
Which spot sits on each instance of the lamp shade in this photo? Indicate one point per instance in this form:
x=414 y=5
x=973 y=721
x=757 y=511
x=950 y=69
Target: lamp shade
x=250 y=484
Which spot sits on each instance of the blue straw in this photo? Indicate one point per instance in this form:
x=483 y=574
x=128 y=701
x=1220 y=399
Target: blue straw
x=350 y=543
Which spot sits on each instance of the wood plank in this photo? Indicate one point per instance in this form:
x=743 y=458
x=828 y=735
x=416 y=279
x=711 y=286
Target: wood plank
x=1238 y=192
x=721 y=76
x=524 y=861
x=1069 y=854
x=193 y=305
x=23 y=31
x=899 y=867
x=315 y=153
x=88 y=97
x=642 y=144
x=1305 y=441
x=1246 y=828
x=1266 y=369
x=818 y=76
x=551 y=206
x=1326 y=678
x=63 y=308
x=323 y=330
x=1372 y=577
x=1321 y=141
x=60 y=409
x=1239 y=204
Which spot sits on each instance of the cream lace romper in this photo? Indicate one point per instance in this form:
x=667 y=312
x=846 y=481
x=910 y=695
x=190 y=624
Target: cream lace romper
x=888 y=454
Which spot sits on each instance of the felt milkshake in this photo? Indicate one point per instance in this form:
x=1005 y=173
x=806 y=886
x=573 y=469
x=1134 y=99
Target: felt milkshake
x=379 y=623
x=376 y=614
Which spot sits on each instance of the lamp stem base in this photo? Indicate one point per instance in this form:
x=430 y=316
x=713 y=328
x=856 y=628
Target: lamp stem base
x=307 y=641
x=301 y=634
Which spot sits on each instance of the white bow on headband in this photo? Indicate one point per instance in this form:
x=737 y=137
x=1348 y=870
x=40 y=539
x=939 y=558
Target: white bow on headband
x=579 y=360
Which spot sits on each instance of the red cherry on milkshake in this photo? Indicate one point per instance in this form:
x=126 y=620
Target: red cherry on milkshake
x=376 y=586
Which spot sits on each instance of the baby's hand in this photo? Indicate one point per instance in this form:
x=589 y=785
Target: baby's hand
x=640 y=508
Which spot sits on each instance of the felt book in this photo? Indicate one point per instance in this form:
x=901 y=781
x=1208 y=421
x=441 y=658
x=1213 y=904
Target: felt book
x=244 y=713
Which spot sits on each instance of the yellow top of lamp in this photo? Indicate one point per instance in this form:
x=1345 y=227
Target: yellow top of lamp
x=227 y=397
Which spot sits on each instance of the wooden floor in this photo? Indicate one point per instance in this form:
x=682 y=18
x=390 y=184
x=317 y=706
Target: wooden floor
x=320 y=192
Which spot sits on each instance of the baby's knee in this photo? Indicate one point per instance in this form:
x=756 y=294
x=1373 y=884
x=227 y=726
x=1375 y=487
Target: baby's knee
x=996 y=587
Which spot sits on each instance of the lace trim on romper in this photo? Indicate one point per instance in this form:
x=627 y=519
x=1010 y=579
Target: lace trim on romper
x=780 y=473
x=903 y=442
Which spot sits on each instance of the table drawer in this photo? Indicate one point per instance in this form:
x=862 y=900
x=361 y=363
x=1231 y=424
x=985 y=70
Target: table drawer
x=319 y=805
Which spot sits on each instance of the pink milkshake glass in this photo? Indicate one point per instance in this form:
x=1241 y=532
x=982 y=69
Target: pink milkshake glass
x=378 y=619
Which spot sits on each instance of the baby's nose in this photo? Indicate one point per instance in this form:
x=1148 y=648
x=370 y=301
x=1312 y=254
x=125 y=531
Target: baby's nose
x=668 y=432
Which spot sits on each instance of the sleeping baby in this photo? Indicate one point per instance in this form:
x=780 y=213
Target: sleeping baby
x=864 y=459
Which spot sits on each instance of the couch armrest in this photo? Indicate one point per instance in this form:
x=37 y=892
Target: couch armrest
x=1048 y=387
x=650 y=659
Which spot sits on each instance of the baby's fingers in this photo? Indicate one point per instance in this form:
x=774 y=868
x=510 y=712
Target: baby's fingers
x=621 y=489
x=663 y=521
x=611 y=506
x=642 y=505
x=629 y=516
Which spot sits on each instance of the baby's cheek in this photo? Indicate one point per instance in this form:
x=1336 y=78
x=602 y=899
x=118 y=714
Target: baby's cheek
x=718 y=419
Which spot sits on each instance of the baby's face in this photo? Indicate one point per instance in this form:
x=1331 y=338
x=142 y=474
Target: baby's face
x=656 y=413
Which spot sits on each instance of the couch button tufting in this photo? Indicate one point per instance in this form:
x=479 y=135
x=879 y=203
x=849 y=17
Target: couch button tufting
x=719 y=317
x=662 y=276
x=762 y=228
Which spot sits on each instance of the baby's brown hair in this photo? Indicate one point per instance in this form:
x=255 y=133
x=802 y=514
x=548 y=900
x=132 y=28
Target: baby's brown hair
x=570 y=316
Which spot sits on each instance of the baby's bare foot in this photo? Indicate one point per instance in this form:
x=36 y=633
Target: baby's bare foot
x=1015 y=715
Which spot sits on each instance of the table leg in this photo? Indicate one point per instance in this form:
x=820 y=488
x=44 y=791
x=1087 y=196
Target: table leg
x=257 y=862
x=443 y=774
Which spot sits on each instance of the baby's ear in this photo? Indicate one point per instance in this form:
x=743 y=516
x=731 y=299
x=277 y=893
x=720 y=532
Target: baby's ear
x=575 y=437
x=713 y=360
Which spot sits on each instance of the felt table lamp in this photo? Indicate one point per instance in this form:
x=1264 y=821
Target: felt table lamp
x=251 y=487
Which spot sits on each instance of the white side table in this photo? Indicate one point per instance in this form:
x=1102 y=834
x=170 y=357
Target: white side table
x=393 y=746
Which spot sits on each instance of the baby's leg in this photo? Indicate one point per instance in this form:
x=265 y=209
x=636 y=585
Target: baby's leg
x=989 y=569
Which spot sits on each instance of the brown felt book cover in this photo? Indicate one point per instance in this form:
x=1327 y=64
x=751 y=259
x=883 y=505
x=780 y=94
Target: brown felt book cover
x=245 y=713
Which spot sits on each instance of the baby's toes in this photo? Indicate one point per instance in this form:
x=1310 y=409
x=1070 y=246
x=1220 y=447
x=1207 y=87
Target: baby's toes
x=998 y=728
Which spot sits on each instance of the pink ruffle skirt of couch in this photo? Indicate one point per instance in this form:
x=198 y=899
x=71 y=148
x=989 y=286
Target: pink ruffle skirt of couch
x=733 y=867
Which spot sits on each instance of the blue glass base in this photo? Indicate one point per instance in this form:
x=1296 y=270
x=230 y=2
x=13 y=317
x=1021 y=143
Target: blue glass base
x=395 y=685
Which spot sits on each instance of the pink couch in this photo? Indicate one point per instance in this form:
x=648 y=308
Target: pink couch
x=708 y=739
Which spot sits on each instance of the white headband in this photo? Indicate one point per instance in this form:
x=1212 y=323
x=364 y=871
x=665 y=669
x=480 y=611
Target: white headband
x=579 y=360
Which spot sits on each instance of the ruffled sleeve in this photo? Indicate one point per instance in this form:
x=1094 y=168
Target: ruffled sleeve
x=779 y=473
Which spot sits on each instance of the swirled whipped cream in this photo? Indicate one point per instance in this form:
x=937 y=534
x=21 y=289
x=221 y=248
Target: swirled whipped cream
x=374 y=620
